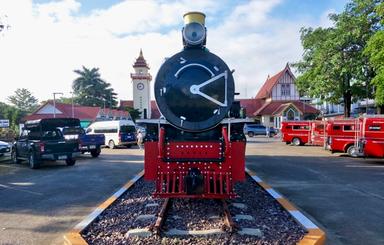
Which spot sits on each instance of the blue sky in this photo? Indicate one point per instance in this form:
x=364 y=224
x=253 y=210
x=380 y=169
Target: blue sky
x=52 y=38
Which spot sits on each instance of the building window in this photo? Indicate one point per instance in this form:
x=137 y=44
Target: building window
x=271 y=119
x=285 y=89
x=290 y=115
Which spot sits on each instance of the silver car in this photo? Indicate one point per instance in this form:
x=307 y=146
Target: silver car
x=4 y=148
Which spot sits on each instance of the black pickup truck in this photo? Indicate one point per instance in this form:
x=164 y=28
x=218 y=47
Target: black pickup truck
x=42 y=140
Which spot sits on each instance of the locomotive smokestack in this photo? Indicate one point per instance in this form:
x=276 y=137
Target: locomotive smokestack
x=197 y=17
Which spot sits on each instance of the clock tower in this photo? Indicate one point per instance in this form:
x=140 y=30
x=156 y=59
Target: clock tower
x=141 y=86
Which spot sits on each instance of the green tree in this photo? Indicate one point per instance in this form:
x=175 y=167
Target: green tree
x=135 y=113
x=375 y=51
x=333 y=65
x=91 y=90
x=13 y=114
x=23 y=100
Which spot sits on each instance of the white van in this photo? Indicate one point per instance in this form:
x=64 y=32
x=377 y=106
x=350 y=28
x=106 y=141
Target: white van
x=117 y=132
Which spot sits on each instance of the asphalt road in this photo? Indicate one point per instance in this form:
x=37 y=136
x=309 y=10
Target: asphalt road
x=39 y=206
x=344 y=195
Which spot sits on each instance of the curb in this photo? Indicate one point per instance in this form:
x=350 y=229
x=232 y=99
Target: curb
x=315 y=235
x=73 y=237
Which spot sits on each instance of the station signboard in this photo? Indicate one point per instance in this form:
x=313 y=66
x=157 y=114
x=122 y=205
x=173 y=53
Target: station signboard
x=4 y=123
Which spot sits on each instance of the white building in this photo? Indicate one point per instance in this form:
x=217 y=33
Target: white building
x=280 y=100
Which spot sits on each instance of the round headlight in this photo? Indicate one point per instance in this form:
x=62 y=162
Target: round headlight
x=194 y=33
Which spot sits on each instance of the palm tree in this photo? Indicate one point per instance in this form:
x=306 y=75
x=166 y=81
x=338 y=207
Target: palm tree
x=91 y=90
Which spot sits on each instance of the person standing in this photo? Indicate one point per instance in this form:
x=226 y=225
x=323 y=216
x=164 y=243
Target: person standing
x=139 y=137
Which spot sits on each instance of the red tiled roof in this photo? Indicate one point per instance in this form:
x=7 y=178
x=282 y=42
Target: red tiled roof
x=251 y=105
x=155 y=113
x=265 y=90
x=276 y=107
x=126 y=103
x=140 y=61
x=88 y=113
x=305 y=108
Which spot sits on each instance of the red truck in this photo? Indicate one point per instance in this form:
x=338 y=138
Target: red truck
x=303 y=132
x=358 y=137
x=372 y=137
x=342 y=135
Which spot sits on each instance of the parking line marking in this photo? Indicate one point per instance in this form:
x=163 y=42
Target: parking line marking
x=119 y=192
x=303 y=220
x=274 y=193
x=315 y=235
x=74 y=237
x=16 y=189
x=364 y=166
x=257 y=179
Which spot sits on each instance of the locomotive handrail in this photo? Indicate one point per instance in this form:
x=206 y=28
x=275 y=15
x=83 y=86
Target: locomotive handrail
x=226 y=140
x=161 y=142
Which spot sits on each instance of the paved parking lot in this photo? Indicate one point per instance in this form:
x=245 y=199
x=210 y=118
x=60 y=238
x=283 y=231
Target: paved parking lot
x=344 y=195
x=38 y=206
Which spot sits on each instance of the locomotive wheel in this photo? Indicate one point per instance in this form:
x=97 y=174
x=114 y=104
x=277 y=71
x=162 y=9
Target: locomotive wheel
x=352 y=151
x=296 y=142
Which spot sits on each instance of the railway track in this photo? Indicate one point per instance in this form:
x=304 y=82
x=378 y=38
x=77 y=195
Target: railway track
x=139 y=218
x=229 y=225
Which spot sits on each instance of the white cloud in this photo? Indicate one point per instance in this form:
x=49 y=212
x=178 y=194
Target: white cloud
x=48 y=41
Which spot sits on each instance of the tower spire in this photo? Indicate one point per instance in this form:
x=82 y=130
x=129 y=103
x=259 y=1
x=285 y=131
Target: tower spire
x=140 y=61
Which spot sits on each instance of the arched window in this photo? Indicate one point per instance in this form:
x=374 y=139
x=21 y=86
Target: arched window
x=290 y=115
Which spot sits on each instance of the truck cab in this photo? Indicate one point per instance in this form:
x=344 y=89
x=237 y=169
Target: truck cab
x=296 y=132
x=342 y=135
x=87 y=143
x=42 y=140
x=372 y=140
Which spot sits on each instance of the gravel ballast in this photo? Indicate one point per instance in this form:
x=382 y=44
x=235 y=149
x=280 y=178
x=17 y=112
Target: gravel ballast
x=256 y=211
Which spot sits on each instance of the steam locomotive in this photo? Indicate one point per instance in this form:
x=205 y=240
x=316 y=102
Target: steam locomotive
x=197 y=149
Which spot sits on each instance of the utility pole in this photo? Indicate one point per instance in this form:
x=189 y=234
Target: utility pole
x=73 y=109
x=54 y=103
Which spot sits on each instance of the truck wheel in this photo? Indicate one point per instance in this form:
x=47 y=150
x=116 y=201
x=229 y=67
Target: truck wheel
x=352 y=151
x=296 y=142
x=251 y=134
x=70 y=161
x=14 y=158
x=111 y=144
x=33 y=163
x=95 y=153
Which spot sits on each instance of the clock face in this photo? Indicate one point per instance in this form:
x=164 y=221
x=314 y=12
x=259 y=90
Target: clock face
x=194 y=90
x=140 y=86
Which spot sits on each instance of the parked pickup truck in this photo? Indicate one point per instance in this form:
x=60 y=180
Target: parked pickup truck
x=87 y=142
x=42 y=140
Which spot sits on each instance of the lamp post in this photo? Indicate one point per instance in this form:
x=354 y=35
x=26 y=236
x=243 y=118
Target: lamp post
x=54 y=103
x=73 y=109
